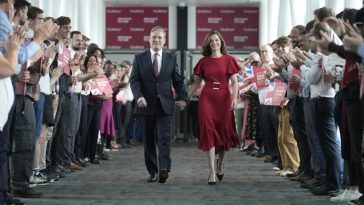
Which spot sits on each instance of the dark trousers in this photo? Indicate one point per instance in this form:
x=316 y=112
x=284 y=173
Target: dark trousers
x=323 y=116
x=352 y=124
x=317 y=156
x=24 y=143
x=93 y=127
x=60 y=130
x=269 y=126
x=126 y=117
x=157 y=127
x=297 y=116
x=73 y=123
x=81 y=135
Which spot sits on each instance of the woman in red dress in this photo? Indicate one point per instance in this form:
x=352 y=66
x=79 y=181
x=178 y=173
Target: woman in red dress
x=215 y=111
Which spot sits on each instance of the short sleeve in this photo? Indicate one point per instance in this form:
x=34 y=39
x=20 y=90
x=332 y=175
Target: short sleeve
x=233 y=66
x=198 y=70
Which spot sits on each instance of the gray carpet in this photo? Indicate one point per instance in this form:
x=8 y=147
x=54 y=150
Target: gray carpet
x=122 y=180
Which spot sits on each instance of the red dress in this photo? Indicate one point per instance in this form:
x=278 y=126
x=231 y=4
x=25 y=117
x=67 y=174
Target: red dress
x=216 y=118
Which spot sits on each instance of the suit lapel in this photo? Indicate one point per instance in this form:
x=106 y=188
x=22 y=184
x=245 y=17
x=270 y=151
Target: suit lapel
x=164 y=63
x=148 y=64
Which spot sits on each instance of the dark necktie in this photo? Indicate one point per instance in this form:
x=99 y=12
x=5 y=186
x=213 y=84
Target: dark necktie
x=155 y=65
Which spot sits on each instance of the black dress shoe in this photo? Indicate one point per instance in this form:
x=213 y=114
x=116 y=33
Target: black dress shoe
x=95 y=161
x=152 y=178
x=163 y=175
x=12 y=201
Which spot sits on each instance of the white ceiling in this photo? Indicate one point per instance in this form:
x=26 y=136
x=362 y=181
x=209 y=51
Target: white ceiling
x=179 y=2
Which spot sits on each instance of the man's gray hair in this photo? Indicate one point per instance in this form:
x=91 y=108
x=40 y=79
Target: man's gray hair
x=160 y=29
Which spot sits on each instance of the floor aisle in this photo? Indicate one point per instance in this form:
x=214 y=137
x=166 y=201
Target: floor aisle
x=122 y=180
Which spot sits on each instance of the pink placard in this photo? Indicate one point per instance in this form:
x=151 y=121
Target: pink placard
x=101 y=86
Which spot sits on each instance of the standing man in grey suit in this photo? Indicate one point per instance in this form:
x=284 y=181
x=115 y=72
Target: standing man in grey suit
x=153 y=74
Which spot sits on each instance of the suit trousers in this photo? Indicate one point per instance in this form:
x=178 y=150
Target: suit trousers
x=157 y=128
x=24 y=143
x=297 y=116
x=286 y=142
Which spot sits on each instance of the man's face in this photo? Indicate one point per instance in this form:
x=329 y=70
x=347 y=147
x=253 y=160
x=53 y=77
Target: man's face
x=157 y=40
x=77 y=42
x=294 y=36
x=10 y=9
x=64 y=31
x=23 y=15
x=266 y=54
x=283 y=49
x=303 y=43
x=34 y=23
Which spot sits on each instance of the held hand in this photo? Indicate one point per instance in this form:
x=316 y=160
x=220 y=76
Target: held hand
x=181 y=104
x=294 y=79
x=142 y=103
x=234 y=102
x=324 y=42
x=329 y=79
x=280 y=63
x=352 y=40
x=57 y=72
x=45 y=30
x=24 y=76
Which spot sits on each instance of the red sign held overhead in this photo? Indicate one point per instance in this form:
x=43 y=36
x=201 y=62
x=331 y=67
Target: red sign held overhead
x=129 y=27
x=238 y=25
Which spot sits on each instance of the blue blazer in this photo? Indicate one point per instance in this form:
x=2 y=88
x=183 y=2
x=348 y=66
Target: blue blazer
x=144 y=84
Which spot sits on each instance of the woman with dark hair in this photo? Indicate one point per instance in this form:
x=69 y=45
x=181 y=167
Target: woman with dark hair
x=215 y=110
x=94 y=111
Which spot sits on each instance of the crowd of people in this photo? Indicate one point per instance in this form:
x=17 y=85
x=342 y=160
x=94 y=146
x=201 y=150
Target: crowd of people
x=314 y=136
x=62 y=103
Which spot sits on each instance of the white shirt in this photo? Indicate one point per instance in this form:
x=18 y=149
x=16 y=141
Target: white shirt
x=128 y=93
x=314 y=75
x=6 y=100
x=45 y=84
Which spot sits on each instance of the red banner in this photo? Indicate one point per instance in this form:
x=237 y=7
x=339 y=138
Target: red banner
x=129 y=27
x=239 y=26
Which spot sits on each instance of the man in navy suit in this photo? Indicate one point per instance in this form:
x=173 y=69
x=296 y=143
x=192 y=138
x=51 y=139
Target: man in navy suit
x=153 y=74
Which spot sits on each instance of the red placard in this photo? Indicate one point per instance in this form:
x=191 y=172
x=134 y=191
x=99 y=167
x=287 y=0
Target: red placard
x=129 y=27
x=295 y=86
x=100 y=86
x=239 y=26
x=276 y=93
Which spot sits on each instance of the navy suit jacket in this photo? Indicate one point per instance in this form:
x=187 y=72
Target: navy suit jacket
x=144 y=84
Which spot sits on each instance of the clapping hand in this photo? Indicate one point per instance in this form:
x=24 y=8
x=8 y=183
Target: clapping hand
x=352 y=39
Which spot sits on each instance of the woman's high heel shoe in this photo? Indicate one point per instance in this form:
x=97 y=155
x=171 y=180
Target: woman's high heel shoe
x=210 y=183
x=219 y=176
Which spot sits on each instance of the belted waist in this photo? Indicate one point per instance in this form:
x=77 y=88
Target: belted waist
x=216 y=85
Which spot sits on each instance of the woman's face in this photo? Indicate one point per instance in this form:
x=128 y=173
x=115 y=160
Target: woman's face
x=109 y=69
x=91 y=62
x=119 y=72
x=215 y=43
